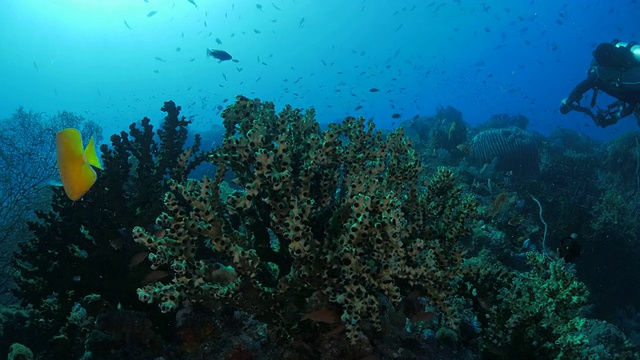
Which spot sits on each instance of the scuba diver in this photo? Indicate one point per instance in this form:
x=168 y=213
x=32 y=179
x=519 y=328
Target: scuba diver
x=615 y=69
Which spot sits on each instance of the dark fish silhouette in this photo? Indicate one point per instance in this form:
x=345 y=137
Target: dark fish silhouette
x=374 y=90
x=127 y=25
x=219 y=54
x=151 y=13
x=193 y=2
x=570 y=248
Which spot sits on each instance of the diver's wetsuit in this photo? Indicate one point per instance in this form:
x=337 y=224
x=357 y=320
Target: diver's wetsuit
x=622 y=85
x=620 y=81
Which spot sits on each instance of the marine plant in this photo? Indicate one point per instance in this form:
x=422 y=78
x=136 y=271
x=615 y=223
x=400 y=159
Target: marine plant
x=321 y=223
x=81 y=250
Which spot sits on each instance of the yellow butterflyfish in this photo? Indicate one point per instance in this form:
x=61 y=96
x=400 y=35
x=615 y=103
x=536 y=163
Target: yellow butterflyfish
x=75 y=164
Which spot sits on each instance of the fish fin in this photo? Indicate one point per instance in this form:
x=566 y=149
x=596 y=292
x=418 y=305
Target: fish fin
x=77 y=176
x=54 y=183
x=82 y=180
x=90 y=155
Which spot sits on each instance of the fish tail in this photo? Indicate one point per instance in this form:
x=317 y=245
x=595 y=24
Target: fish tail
x=90 y=155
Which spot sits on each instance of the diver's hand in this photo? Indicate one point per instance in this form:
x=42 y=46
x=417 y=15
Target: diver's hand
x=565 y=107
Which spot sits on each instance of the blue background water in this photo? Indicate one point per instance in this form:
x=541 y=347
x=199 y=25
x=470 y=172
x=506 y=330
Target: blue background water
x=482 y=57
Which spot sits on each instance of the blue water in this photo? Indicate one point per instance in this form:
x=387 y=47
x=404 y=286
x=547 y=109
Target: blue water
x=482 y=58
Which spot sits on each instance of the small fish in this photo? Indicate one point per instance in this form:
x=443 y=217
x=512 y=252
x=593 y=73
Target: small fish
x=422 y=316
x=151 y=13
x=218 y=41
x=154 y=276
x=358 y=107
x=452 y=128
x=138 y=258
x=193 y=2
x=301 y=24
x=516 y=220
x=259 y=7
x=396 y=116
x=219 y=54
x=156 y=71
x=127 y=25
x=35 y=65
x=374 y=90
x=160 y=59
x=256 y=31
x=322 y=315
x=116 y=243
x=178 y=49
x=464 y=148
x=75 y=164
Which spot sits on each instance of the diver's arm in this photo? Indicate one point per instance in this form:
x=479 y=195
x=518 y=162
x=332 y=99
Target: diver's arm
x=590 y=82
x=572 y=102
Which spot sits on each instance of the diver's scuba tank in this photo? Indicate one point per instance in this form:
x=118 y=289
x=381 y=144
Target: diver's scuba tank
x=635 y=48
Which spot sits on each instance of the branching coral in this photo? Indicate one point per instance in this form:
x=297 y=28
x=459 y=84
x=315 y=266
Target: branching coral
x=527 y=314
x=332 y=215
x=84 y=247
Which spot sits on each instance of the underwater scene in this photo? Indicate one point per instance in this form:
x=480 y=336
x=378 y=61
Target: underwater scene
x=300 y=179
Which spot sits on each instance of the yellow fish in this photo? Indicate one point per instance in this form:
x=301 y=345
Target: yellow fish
x=74 y=163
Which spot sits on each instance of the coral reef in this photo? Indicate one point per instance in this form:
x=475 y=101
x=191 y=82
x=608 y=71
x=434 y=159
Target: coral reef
x=614 y=215
x=343 y=242
x=83 y=248
x=497 y=121
x=322 y=223
x=441 y=135
x=124 y=334
x=512 y=149
x=18 y=351
x=531 y=314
